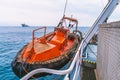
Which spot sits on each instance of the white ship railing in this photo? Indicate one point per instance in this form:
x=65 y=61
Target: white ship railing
x=77 y=59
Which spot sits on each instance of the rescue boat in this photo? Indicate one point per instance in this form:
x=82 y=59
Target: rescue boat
x=52 y=50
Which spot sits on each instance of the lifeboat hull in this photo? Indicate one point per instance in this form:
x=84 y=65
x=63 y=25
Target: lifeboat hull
x=22 y=68
x=20 y=72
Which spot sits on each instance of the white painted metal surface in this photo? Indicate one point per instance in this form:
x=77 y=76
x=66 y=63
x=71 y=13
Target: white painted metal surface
x=108 y=58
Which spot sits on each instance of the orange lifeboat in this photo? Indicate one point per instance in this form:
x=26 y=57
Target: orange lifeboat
x=52 y=50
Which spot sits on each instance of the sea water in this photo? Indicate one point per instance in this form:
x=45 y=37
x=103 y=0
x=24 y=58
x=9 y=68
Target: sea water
x=12 y=39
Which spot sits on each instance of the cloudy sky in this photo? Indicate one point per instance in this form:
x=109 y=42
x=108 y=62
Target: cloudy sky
x=49 y=12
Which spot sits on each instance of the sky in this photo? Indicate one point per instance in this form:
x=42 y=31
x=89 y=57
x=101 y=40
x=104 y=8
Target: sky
x=49 y=12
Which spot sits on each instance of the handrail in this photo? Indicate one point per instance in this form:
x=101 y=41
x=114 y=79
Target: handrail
x=77 y=68
x=71 y=19
x=75 y=21
x=33 y=34
x=52 y=71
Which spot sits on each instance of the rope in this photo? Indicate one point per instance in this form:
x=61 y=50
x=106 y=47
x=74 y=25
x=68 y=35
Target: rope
x=26 y=70
x=24 y=63
x=68 y=64
x=91 y=49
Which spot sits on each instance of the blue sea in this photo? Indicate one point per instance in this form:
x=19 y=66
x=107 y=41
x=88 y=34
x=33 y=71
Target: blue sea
x=12 y=39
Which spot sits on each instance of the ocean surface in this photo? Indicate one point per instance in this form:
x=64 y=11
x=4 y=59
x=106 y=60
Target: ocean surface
x=12 y=39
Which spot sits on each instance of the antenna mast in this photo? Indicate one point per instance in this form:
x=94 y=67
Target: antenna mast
x=65 y=8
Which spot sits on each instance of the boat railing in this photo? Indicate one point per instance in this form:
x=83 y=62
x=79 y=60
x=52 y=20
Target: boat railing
x=33 y=34
x=75 y=63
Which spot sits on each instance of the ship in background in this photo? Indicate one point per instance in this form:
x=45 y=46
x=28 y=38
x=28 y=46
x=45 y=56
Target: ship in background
x=25 y=25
